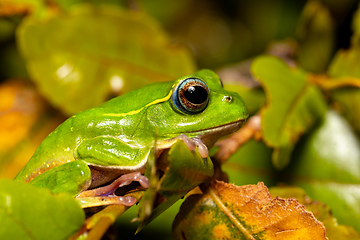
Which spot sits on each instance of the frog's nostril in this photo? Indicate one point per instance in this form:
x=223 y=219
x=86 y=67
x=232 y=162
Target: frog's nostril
x=227 y=99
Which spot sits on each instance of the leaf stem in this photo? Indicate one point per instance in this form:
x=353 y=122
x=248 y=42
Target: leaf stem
x=228 y=213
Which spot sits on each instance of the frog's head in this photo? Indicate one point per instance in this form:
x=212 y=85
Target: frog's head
x=199 y=106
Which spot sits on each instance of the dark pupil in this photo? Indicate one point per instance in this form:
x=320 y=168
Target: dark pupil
x=196 y=94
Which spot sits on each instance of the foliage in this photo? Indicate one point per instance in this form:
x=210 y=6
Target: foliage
x=302 y=90
x=25 y=210
x=226 y=211
x=97 y=60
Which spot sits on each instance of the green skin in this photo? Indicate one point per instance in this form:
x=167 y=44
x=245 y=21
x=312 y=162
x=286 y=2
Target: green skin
x=98 y=145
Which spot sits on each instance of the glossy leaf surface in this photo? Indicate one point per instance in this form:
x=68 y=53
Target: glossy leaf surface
x=79 y=58
x=292 y=107
x=227 y=211
x=27 y=212
x=326 y=165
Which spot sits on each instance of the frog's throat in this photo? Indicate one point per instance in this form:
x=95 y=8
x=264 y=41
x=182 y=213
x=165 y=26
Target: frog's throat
x=211 y=135
x=208 y=136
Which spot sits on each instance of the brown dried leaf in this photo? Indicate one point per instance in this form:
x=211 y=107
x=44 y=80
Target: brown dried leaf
x=227 y=211
x=20 y=106
x=11 y=7
x=321 y=211
x=24 y=123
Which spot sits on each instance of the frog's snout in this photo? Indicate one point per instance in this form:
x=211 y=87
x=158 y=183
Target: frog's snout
x=234 y=104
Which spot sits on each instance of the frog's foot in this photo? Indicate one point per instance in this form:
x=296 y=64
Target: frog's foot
x=105 y=195
x=192 y=143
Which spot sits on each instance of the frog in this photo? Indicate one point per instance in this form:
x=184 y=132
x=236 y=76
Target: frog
x=99 y=150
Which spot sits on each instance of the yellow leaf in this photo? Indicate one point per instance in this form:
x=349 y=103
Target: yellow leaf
x=19 y=109
x=24 y=124
x=227 y=211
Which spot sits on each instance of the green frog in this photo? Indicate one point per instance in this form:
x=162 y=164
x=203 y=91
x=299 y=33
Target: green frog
x=110 y=144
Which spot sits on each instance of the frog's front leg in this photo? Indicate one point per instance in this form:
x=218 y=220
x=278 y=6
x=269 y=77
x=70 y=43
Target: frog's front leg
x=74 y=178
x=110 y=159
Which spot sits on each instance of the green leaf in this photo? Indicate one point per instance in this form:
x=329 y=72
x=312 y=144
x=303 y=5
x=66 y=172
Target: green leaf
x=345 y=67
x=316 y=36
x=326 y=165
x=186 y=170
x=251 y=164
x=346 y=64
x=27 y=212
x=292 y=107
x=78 y=59
x=347 y=102
x=253 y=97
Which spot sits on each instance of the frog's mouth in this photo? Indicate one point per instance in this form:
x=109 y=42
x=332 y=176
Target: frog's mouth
x=210 y=135
x=207 y=137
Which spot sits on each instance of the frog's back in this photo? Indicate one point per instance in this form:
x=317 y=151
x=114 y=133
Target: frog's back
x=56 y=149
x=117 y=117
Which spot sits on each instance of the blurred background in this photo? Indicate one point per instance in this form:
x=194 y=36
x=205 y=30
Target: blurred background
x=216 y=32
x=58 y=57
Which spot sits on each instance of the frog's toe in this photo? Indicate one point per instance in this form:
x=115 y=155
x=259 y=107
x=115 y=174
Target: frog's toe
x=110 y=189
x=203 y=150
x=86 y=202
x=192 y=143
x=126 y=179
x=188 y=141
x=105 y=195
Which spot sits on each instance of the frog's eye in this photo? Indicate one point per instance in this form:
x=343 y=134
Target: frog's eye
x=191 y=96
